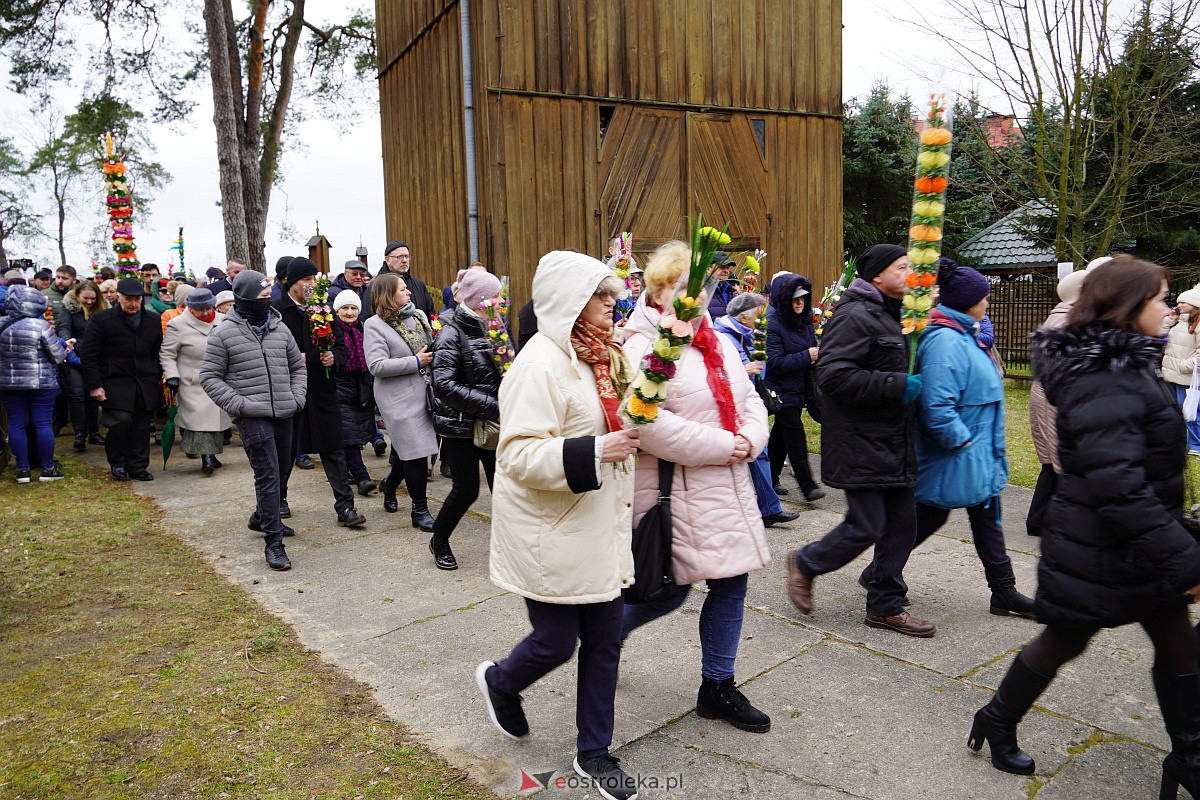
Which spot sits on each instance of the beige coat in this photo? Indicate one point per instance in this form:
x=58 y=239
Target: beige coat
x=181 y=354
x=1041 y=414
x=1181 y=353
x=555 y=538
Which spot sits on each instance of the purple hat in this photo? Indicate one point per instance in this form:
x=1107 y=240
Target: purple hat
x=960 y=288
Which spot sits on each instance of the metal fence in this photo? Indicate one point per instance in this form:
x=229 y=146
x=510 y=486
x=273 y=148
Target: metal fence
x=1017 y=306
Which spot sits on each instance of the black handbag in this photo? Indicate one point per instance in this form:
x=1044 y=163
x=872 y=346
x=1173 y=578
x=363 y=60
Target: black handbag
x=769 y=397
x=652 y=546
x=813 y=397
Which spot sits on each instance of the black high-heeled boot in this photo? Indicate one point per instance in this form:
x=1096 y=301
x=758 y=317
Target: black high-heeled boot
x=1179 y=699
x=421 y=518
x=996 y=723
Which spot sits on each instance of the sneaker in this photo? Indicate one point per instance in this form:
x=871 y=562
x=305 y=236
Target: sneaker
x=52 y=474
x=606 y=774
x=24 y=476
x=277 y=557
x=505 y=710
x=255 y=524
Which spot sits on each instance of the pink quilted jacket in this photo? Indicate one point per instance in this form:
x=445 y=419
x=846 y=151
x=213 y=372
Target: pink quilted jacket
x=718 y=532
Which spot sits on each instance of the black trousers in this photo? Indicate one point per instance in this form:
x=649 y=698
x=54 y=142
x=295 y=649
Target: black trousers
x=128 y=442
x=788 y=441
x=464 y=459
x=336 y=471
x=597 y=627
x=1043 y=492
x=885 y=518
x=83 y=410
x=268 y=446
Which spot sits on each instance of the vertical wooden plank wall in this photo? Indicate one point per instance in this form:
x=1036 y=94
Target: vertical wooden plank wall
x=543 y=71
x=423 y=150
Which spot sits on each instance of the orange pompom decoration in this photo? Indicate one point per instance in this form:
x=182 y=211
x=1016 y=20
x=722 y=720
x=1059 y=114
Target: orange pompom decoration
x=931 y=185
x=925 y=233
x=927 y=279
x=911 y=280
x=935 y=136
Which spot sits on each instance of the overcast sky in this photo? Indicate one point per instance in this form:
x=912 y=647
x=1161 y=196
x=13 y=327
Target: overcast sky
x=336 y=179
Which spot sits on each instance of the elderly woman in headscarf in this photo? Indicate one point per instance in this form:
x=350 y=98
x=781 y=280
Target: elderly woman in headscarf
x=561 y=508
x=1041 y=414
x=201 y=421
x=710 y=427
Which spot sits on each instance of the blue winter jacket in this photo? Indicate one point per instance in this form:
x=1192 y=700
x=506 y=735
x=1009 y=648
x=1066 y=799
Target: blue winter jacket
x=30 y=351
x=789 y=335
x=962 y=401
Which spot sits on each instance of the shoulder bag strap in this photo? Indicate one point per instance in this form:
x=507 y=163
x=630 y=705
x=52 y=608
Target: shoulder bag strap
x=666 y=473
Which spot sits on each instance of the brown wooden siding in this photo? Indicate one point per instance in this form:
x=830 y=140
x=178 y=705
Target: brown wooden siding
x=423 y=151
x=683 y=80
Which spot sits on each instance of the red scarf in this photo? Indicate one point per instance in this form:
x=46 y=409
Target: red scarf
x=594 y=346
x=709 y=345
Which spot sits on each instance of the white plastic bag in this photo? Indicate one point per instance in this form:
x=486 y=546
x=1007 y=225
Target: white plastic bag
x=1191 y=398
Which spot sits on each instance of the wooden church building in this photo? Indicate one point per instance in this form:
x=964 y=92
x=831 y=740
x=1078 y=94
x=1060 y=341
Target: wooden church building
x=514 y=127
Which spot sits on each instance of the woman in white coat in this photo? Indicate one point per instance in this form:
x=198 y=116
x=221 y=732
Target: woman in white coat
x=1182 y=356
x=561 y=525
x=201 y=422
x=710 y=427
x=396 y=341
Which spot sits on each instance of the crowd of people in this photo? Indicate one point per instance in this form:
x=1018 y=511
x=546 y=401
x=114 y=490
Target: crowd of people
x=908 y=436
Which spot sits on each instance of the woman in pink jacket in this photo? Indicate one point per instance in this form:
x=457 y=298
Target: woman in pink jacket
x=710 y=427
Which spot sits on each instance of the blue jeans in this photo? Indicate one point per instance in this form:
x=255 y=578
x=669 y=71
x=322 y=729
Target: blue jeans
x=30 y=411
x=764 y=490
x=1193 y=428
x=720 y=622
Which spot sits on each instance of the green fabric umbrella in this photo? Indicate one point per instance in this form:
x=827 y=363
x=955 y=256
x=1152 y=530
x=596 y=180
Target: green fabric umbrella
x=168 y=432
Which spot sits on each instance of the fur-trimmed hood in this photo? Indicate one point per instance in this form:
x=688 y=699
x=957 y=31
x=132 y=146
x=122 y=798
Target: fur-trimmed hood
x=1061 y=354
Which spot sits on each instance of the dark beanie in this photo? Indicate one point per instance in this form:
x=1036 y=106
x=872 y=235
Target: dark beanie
x=876 y=258
x=248 y=284
x=300 y=268
x=960 y=288
x=281 y=266
x=393 y=245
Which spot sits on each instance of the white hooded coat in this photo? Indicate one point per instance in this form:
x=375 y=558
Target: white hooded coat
x=549 y=542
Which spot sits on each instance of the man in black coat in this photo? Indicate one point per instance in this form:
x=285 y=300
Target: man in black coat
x=119 y=359
x=318 y=427
x=398 y=259
x=867 y=443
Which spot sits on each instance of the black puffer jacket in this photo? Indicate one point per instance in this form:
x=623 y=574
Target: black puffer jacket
x=866 y=432
x=355 y=393
x=1113 y=550
x=466 y=382
x=789 y=335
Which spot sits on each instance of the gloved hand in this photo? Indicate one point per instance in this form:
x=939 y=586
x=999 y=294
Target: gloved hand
x=173 y=384
x=912 y=388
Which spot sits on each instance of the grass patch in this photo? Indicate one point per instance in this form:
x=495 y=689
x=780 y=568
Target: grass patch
x=1023 y=464
x=128 y=668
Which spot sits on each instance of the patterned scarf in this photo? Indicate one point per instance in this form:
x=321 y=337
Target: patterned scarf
x=416 y=337
x=709 y=345
x=595 y=346
x=356 y=360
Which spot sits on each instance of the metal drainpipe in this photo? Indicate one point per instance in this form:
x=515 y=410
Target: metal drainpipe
x=469 y=129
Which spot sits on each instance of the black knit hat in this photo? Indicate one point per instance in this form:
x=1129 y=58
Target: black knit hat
x=281 y=265
x=876 y=258
x=300 y=268
x=393 y=245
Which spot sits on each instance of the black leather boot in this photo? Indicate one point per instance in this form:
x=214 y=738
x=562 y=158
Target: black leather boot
x=1005 y=597
x=388 y=489
x=81 y=441
x=722 y=700
x=1179 y=699
x=443 y=557
x=996 y=723
x=421 y=518
x=207 y=464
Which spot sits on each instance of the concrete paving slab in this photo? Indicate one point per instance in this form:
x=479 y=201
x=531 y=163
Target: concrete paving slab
x=857 y=712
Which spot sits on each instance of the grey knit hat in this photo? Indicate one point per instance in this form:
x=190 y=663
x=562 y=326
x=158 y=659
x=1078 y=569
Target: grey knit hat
x=200 y=298
x=249 y=284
